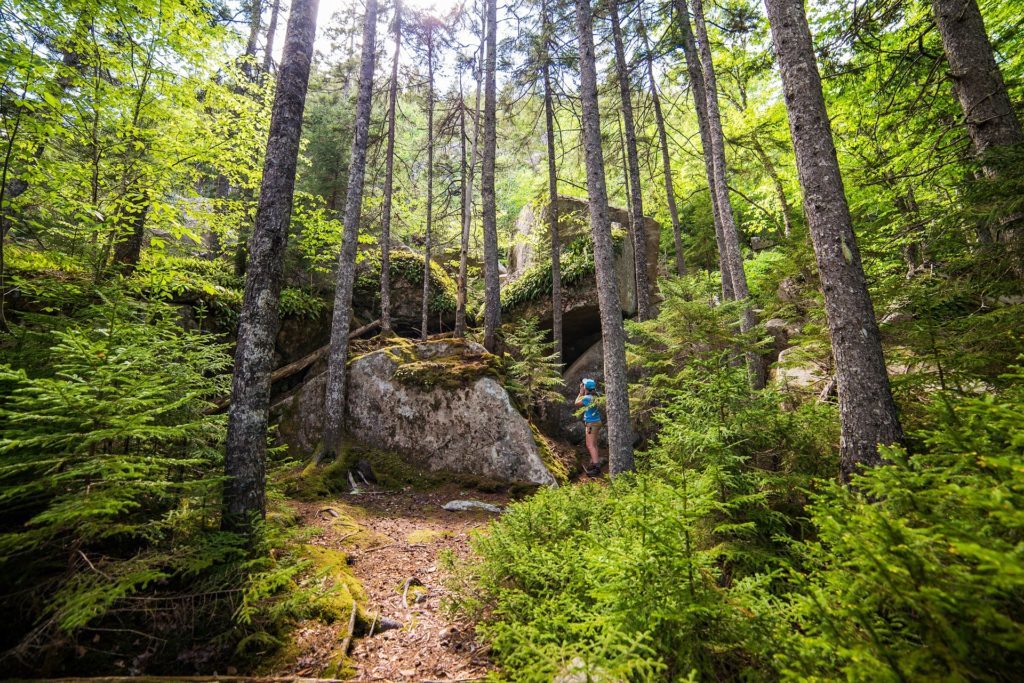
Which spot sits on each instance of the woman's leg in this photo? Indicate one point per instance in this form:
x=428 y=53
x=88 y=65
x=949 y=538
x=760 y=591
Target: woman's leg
x=592 y=433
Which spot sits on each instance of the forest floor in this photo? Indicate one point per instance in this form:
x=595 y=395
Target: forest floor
x=394 y=541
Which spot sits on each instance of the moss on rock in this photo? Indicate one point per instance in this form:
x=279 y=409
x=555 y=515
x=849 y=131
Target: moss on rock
x=555 y=465
x=311 y=483
x=577 y=265
x=408 y=267
x=444 y=364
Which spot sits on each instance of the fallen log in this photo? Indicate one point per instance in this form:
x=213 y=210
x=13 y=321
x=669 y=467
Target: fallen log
x=294 y=367
x=347 y=642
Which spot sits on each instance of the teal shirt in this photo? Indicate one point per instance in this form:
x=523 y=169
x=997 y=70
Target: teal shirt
x=591 y=414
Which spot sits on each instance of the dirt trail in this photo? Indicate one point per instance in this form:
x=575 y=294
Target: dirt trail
x=406 y=532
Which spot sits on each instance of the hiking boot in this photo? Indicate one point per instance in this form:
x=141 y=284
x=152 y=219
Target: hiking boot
x=592 y=470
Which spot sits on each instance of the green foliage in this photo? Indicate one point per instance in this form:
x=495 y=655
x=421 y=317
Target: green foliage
x=532 y=371
x=577 y=265
x=107 y=453
x=110 y=474
x=660 y=575
x=298 y=303
x=918 y=567
x=618 y=581
x=913 y=573
x=731 y=556
x=407 y=267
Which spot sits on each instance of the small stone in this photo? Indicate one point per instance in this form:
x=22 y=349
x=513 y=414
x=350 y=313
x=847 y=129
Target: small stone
x=408 y=673
x=466 y=505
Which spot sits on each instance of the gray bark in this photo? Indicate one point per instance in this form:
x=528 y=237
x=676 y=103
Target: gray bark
x=696 y=75
x=425 y=318
x=625 y=181
x=756 y=365
x=666 y=164
x=644 y=309
x=866 y=408
x=268 y=49
x=128 y=248
x=334 y=394
x=556 y=245
x=389 y=180
x=613 y=334
x=467 y=196
x=245 y=460
x=977 y=81
x=255 y=23
x=492 y=291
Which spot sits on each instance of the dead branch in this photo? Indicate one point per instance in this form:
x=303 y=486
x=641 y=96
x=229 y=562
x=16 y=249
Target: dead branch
x=296 y=366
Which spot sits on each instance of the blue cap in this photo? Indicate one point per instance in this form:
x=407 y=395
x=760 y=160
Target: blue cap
x=589 y=384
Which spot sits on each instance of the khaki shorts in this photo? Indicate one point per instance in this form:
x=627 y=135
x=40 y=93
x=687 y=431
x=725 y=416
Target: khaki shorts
x=592 y=426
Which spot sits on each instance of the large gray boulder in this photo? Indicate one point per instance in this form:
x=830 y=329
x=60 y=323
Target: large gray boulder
x=438 y=404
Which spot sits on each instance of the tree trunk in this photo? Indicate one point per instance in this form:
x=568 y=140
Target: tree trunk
x=756 y=366
x=625 y=180
x=644 y=286
x=866 y=408
x=977 y=81
x=613 y=334
x=425 y=318
x=255 y=23
x=696 y=75
x=552 y=213
x=463 y=202
x=467 y=194
x=128 y=248
x=334 y=394
x=268 y=51
x=492 y=291
x=245 y=461
x=389 y=184
x=659 y=121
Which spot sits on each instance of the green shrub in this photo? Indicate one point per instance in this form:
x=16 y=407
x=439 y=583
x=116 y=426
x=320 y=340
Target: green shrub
x=662 y=575
x=918 y=569
x=408 y=267
x=110 y=487
x=532 y=373
x=577 y=265
x=622 y=578
x=695 y=568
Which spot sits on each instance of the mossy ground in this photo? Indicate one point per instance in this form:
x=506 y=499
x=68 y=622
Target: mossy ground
x=427 y=535
x=312 y=483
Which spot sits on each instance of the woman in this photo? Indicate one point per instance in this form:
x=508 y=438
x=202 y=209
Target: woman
x=591 y=423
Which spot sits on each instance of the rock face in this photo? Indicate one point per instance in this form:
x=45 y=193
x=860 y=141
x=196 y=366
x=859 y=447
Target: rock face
x=531 y=227
x=436 y=403
x=406 y=293
x=581 y=316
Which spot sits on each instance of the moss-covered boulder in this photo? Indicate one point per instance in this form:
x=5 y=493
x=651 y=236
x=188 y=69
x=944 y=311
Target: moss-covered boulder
x=528 y=290
x=406 y=270
x=440 y=405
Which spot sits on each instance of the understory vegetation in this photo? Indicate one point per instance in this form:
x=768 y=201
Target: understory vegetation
x=112 y=462
x=732 y=554
x=812 y=426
